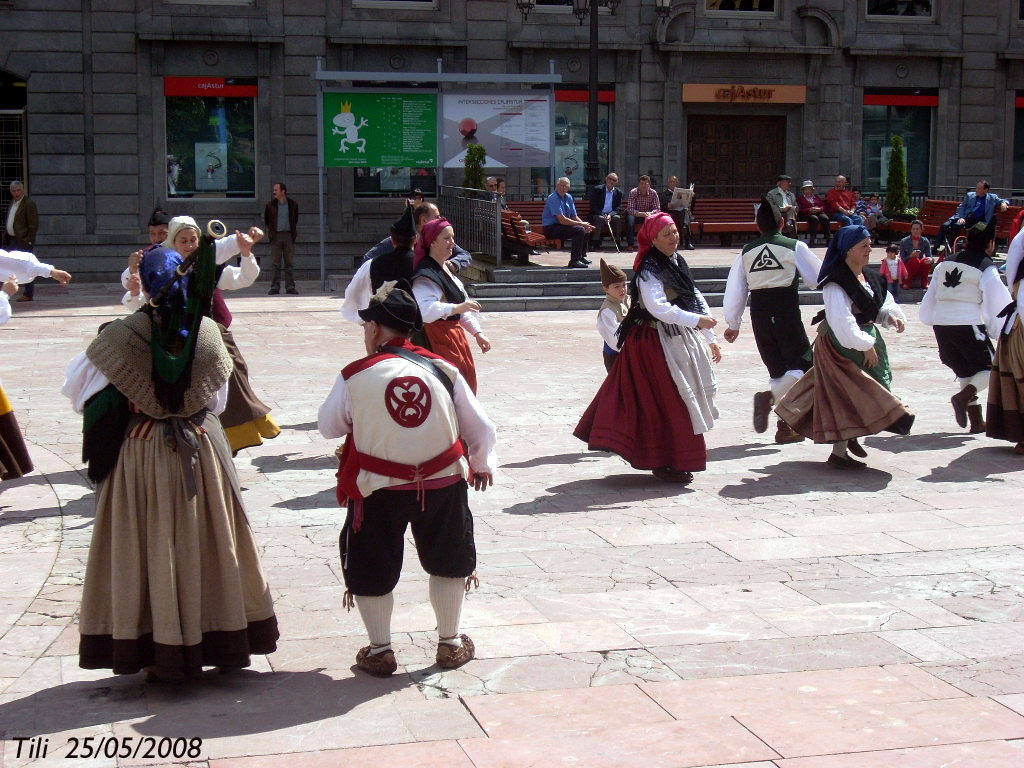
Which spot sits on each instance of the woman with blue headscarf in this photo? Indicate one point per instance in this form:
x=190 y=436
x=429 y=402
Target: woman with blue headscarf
x=846 y=393
x=173 y=581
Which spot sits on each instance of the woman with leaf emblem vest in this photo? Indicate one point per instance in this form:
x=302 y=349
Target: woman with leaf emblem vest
x=448 y=312
x=846 y=393
x=962 y=304
x=659 y=398
x=173 y=582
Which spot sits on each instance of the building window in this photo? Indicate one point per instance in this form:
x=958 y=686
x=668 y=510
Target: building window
x=909 y=114
x=754 y=6
x=1020 y=13
x=396 y=182
x=418 y=5
x=570 y=153
x=210 y=2
x=211 y=136
x=900 y=8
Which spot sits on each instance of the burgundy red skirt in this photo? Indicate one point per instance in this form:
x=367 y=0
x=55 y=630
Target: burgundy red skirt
x=638 y=413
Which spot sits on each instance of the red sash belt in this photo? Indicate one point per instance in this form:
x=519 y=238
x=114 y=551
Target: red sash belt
x=352 y=461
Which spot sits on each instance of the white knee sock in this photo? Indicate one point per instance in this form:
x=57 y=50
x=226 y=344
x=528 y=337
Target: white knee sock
x=781 y=385
x=376 y=613
x=446 y=596
x=979 y=380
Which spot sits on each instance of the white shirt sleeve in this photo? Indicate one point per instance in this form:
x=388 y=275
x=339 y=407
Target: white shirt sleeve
x=134 y=303
x=81 y=381
x=236 y=278
x=807 y=264
x=607 y=326
x=5 y=307
x=658 y=305
x=227 y=247
x=22 y=265
x=470 y=321
x=219 y=402
x=124 y=277
x=890 y=312
x=709 y=333
x=926 y=312
x=334 y=419
x=839 y=313
x=994 y=298
x=476 y=429
x=358 y=293
x=736 y=291
x=1014 y=256
x=430 y=299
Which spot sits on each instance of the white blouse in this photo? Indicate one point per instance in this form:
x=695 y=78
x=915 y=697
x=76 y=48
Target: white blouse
x=657 y=303
x=22 y=265
x=231 y=279
x=433 y=307
x=839 y=313
x=5 y=307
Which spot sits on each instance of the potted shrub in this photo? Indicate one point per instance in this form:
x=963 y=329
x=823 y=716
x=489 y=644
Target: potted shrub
x=897 y=195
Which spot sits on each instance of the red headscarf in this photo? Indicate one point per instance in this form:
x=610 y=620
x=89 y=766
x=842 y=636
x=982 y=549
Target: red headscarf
x=652 y=226
x=428 y=235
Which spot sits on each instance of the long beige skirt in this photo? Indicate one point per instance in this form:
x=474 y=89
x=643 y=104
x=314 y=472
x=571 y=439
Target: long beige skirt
x=173 y=582
x=1005 y=412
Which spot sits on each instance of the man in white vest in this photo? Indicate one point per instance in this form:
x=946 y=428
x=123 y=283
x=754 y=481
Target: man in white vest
x=416 y=438
x=965 y=299
x=766 y=270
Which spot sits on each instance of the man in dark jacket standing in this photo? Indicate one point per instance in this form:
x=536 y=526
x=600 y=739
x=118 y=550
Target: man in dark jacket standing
x=281 y=217
x=22 y=226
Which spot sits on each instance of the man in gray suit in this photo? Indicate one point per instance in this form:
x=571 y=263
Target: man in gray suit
x=21 y=229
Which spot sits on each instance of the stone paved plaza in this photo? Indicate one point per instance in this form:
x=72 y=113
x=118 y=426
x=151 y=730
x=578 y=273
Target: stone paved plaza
x=775 y=614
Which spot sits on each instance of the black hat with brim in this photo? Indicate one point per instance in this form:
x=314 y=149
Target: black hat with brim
x=394 y=306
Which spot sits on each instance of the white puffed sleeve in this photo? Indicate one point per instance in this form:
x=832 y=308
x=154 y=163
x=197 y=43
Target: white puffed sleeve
x=5 y=307
x=81 y=381
x=236 y=278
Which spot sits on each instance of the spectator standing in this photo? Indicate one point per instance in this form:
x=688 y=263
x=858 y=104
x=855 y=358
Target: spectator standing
x=784 y=199
x=561 y=222
x=643 y=202
x=21 y=229
x=979 y=205
x=281 y=217
x=605 y=202
x=811 y=208
x=893 y=270
x=678 y=207
x=840 y=204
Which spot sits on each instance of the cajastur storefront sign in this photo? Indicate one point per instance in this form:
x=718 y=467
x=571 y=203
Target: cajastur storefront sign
x=734 y=93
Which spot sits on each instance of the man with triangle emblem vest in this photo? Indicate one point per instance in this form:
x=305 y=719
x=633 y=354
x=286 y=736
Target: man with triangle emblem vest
x=962 y=304
x=766 y=270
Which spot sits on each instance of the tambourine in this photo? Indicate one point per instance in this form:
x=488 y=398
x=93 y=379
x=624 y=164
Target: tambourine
x=216 y=229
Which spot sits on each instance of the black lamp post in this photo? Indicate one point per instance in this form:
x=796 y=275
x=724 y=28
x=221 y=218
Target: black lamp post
x=580 y=9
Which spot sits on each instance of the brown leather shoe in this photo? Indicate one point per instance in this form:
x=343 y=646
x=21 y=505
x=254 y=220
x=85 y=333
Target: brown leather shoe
x=845 y=462
x=23 y=297
x=377 y=664
x=668 y=475
x=856 y=448
x=976 y=419
x=762 y=405
x=960 y=401
x=454 y=656
x=786 y=434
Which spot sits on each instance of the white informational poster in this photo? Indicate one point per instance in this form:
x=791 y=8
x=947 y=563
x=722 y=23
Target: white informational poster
x=211 y=166
x=514 y=128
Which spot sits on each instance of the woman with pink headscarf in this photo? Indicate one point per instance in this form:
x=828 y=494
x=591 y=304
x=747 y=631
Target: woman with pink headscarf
x=448 y=313
x=659 y=398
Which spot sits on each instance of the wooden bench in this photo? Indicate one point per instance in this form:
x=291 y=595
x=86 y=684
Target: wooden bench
x=515 y=240
x=933 y=214
x=533 y=212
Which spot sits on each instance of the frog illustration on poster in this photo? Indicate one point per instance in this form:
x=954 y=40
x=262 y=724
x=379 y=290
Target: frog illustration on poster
x=346 y=127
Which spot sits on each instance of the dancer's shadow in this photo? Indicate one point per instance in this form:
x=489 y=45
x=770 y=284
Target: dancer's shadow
x=214 y=706
x=559 y=458
x=327 y=498
x=281 y=463
x=730 y=452
x=790 y=478
x=598 y=493
x=977 y=465
x=934 y=441
x=307 y=426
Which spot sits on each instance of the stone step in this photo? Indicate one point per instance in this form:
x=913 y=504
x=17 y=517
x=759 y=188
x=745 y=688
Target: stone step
x=560 y=303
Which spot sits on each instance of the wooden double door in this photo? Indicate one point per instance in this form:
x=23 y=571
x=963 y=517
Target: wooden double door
x=735 y=156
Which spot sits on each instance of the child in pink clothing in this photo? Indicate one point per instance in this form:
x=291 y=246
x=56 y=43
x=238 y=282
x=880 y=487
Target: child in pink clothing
x=893 y=270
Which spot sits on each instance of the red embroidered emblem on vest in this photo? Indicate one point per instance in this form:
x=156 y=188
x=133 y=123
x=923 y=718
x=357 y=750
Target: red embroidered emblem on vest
x=408 y=401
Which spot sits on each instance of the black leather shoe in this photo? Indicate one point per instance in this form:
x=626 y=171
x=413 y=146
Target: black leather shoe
x=845 y=462
x=273 y=291
x=576 y=265
x=856 y=448
x=668 y=475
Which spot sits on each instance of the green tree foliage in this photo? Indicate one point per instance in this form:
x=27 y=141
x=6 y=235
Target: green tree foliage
x=475 y=157
x=897 y=195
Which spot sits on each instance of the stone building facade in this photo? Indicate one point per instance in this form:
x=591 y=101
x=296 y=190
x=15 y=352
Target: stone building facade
x=96 y=96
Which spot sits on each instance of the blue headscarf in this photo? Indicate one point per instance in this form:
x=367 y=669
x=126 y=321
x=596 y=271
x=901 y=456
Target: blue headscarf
x=158 y=268
x=844 y=240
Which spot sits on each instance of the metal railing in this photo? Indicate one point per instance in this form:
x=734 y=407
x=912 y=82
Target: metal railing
x=476 y=218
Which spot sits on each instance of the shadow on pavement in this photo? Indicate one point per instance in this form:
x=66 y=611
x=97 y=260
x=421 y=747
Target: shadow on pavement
x=319 y=500
x=214 y=706
x=935 y=441
x=977 y=465
x=307 y=426
x=729 y=452
x=281 y=463
x=558 y=458
x=599 y=493
x=792 y=477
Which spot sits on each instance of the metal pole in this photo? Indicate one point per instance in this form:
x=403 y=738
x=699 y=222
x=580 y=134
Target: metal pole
x=320 y=173
x=591 y=167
